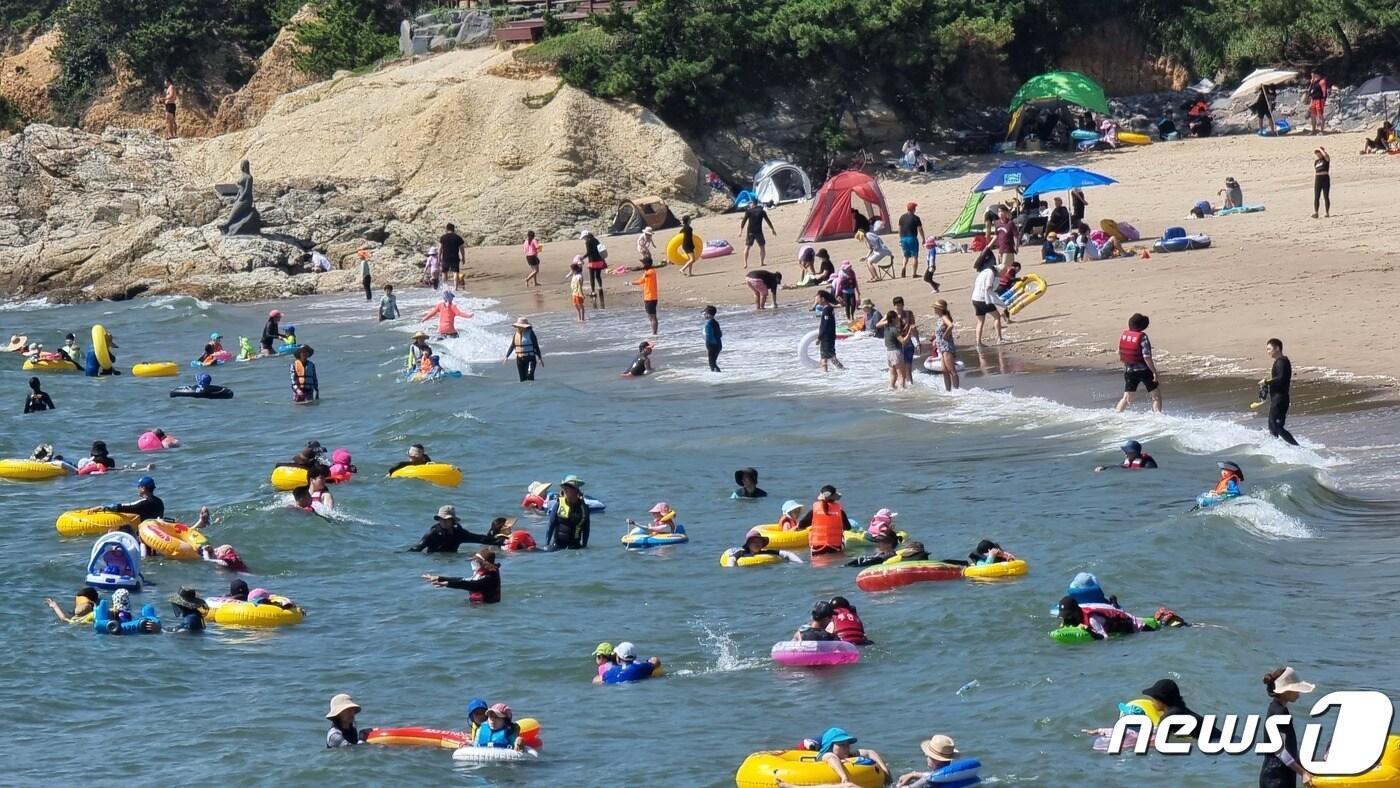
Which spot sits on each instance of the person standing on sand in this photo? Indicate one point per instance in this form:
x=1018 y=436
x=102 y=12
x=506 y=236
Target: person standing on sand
x=1317 y=102
x=449 y=255
x=1322 y=181
x=532 y=248
x=754 y=217
x=649 y=291
x=1278 y=384
x=911 y=235
x=171 y=99
x=1135 y=351
x=1077 y=204
x=714 y=338
x=688 y=246
x=984 y=297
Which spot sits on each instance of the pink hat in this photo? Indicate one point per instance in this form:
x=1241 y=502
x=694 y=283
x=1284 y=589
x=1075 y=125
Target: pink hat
x=259 y=593
x=885 y=514
x=500 y=710
x=275 y=313
x=930 y=242
x=340 y=457
x=879 y=528
x=661 y=508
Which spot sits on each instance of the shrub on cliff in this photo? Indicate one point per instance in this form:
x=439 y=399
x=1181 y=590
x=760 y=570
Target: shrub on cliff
x=347 y=34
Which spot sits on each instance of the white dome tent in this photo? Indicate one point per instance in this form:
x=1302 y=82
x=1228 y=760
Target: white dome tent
x=780 y=182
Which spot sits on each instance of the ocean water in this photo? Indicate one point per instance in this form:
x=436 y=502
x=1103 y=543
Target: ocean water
x=1301 y=571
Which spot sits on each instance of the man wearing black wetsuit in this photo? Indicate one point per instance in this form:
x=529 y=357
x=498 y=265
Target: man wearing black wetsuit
x=450 y=255
x=1278 y=384
x=754 y=217
x=148 y=506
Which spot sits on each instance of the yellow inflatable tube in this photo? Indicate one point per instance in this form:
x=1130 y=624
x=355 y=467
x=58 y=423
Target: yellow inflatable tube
x=859 y=538
x=1386 y=774
x=800 y=767
x=1151 y=709
x=778 y=539
x=997 y=571
x=234 y=613
x=439 y=473
x=749 y=560
x=288 y=477
x=30 y=470
x=49 y=365
x=1134 y=138
x=171 y=539
x=155 y=369
x=100 y=348
x=1027 y=292
x=91 y=522
x=673 y=248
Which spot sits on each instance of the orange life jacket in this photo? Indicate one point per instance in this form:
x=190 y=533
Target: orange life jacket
x=828 y=526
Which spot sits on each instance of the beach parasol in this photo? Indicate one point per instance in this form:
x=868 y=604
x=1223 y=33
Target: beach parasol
x=1379 y=86
x=1262 y=77
x=1064 y=179
x=1009 y=175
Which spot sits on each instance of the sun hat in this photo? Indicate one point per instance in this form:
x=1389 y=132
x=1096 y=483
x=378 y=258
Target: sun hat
x=521 y=322
x=742 y=472
x=790 y=506
x=446 y=512
x=754 y=534
x=1165 y=692
x=940 y=748
x=500 y=710
x=834 y=736
x=829 y=493
x=1131 y=447
x=187 y=599
x=340 y=703
x=885 y=514
x=504 y=524
x=278 y=313
x=486 y=555
x=584 y=233
x=626 y=651
x=660 y=508
x=420 y=335
x=538 y=488
x=1288 y=681
x=121 y=599
x=16 y=344
x=882 y=532
x=604 y=649
x=572 y=479
x=1052 y=235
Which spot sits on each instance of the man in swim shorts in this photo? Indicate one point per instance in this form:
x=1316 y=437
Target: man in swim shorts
x=754 y=217
x=450 y=255
x=911 y=236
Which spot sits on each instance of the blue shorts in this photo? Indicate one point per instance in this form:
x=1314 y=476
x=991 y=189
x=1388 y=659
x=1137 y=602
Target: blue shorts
x=909 y=245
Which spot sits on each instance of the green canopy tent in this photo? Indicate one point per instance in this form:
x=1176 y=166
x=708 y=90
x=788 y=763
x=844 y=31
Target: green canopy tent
x=966 y=223
x=1054 y=88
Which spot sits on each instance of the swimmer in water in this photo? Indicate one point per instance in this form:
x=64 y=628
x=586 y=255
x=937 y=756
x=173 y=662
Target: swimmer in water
x=417 y=455
x=1133 y=458
x=663 y=520
x=214 y=345
x=642 y=364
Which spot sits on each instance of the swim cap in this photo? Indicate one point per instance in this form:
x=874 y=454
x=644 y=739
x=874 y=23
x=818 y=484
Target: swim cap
x=275 y=313
x=147 y=482
x=1132 y=447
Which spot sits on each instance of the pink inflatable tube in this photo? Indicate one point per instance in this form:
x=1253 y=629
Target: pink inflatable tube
x=808 y=653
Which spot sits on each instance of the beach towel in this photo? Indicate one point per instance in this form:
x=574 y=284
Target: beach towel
x=1241 y=209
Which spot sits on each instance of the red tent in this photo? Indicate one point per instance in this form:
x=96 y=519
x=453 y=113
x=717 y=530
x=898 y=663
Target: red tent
x=830 y=219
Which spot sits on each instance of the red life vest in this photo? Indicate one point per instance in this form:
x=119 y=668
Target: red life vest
x=1130 y=348
x=1115 y=620
x=828 y=527
x=848 y=626
x=1141 y=460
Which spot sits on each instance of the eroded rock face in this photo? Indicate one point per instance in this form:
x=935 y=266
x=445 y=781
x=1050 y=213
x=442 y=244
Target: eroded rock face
x=117 y=215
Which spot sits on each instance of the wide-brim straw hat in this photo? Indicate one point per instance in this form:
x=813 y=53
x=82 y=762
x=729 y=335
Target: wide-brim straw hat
x=940 y=748
x=521 y=322
x=341 y=703
x=538 y=488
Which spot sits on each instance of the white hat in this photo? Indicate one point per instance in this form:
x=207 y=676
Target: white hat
x=790 y=506
x=1288 y=681
x=340 y=703
x=626 y=651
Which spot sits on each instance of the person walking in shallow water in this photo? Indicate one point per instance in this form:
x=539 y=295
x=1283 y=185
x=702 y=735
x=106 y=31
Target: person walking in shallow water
x=1277 y=386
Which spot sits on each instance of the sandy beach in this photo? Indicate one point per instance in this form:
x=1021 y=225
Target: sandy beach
x=1318 y=284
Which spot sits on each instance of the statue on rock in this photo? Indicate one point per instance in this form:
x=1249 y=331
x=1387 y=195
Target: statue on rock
x=244 y=218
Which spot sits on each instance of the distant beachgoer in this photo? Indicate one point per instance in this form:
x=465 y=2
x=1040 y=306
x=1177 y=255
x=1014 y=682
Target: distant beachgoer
x=38 y=399
x=1135 y=351
x=862 y=224
x=911 y=235
x=714 y=338
x=575 y=280
x=1006 y=236
x=1322 y=181
x=388 y=305
x=846 y=288
x=764 y=283
x=826 y=330
x=896 y=335
x=1385 y=137
x=878 y=252
x=946 y=346
x=984 y=298
x=1233 y=194
x=752 y=223
x=595 y=260
x=1263 y=111
x=342 y=717
x=911 y=342
x=1048 y=252
x=688 y=249
x=525 y=347
x=315 y=262
x=931 y=261
x=449 y=254
x=1318 y=91
x=646 y=241
x=447 y=312
x=1277 y=386
x=532 y=248
x=1283 y=768
x=271 y=332
x=366 y=281
x=171 y=99
x=1059 y=218
x=649 y=291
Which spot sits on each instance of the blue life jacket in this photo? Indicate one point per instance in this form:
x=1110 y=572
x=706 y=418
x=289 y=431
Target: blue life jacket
x=631 y=671
x=502 y=739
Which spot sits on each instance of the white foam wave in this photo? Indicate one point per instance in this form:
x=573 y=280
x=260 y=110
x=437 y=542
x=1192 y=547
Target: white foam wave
x=725 y=651
x=27 y=305
x=477 y=342
x=168 y=302
x=1262 y=518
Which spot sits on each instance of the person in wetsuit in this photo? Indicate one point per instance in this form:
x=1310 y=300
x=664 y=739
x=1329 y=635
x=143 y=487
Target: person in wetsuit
x=417 y=455
x=447 y=533
x=641 y=365
x=1283 y=768
x=147 y=507
x=38 y=399
x=485 y=582
x=816 y=629
x=1276 y=387
x=569 y=522
x=271 y=333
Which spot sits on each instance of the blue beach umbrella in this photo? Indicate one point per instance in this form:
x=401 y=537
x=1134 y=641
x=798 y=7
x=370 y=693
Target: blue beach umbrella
x=1066 y=178
x=1009 y=175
